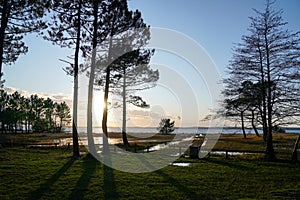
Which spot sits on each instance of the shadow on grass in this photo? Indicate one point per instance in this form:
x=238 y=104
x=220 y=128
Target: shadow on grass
x=172 y=181
x=89 y=167
x=229 y=164
x=110 y=189
x=37 y=194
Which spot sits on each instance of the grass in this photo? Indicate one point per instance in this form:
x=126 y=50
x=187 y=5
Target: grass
x=52 y=173
x=49 y=173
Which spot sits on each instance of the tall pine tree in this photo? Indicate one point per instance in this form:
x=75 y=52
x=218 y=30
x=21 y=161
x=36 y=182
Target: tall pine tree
x=67 y=29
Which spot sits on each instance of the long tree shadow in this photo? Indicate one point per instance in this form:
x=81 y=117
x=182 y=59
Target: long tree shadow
x=229 y=164
x=189 y=193
x=37 y=194
x=110 y=189
x=172 y=181
x=89 y=167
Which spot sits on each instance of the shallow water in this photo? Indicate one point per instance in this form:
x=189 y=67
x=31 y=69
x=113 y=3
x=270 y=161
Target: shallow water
x=82 y=140
x=182 y=164
x=229 y=153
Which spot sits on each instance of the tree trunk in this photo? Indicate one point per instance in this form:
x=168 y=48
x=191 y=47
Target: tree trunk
x=104 y=117
x=4 y=21
x=106 y=91
x=26 y=126
x=243 y=126
x=91 y=143
x=263 y=96
x=253 y=124
x=75 y=89
x=270 y=154
x=74 y=124
x=124 y=135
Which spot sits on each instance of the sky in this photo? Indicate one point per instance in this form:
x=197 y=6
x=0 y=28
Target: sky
x=214 y=25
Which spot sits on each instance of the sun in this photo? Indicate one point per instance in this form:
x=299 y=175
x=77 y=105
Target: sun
x=98 y=106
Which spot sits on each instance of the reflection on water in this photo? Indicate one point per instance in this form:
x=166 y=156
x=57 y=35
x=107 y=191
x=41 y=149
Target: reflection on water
x=229 y=153
x=82 y=140
x=172 y=144
x=182 y=164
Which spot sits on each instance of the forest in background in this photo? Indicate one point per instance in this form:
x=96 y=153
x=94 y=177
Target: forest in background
x=31 y=114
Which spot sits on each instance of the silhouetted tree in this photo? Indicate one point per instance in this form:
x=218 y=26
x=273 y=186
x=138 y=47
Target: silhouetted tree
x=131 y=73
x=166 y=126
x=244 y=103
x=269 y=55
x=48 y=110
x=67 y=30
x=94 y=42
x=18 y=112
x=117 y=22
x=18 y=18
x=62 y=110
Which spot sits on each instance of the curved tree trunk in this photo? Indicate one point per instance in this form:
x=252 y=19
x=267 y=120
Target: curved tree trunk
x=243 y=126
x=253 y=124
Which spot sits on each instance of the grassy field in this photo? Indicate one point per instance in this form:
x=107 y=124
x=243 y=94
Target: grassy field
x=52 y=173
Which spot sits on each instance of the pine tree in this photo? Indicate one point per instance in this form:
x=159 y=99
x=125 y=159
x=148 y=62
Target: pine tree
x=119 y=21
x=166 y=126
x=18 y=18
x=131 y=73
x=67 y=30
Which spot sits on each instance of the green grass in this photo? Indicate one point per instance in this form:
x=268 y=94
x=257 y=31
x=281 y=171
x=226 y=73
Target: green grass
x=49 y=173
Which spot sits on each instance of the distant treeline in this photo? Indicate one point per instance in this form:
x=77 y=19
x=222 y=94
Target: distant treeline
x=31 y=114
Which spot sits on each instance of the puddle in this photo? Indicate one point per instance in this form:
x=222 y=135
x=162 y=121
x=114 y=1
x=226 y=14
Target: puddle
x=229 y=153
x=173 y=144
x=182 y=164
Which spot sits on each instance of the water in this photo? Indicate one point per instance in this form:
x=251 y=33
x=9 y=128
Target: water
x=182 y=164
x=174 y=144
x=98 y=140
x=190 y=130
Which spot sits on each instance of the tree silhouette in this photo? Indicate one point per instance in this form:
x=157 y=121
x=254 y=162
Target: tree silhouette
x=116 y=20
x=18 y=113
x=131 y=73
x=94 y=43
x=67 y=30
x=18 y=18
x=269 y=56
x=244 y=103
x=62 y=110
x=166 y=126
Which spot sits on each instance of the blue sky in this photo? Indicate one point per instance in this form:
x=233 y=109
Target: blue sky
x=213 y=24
